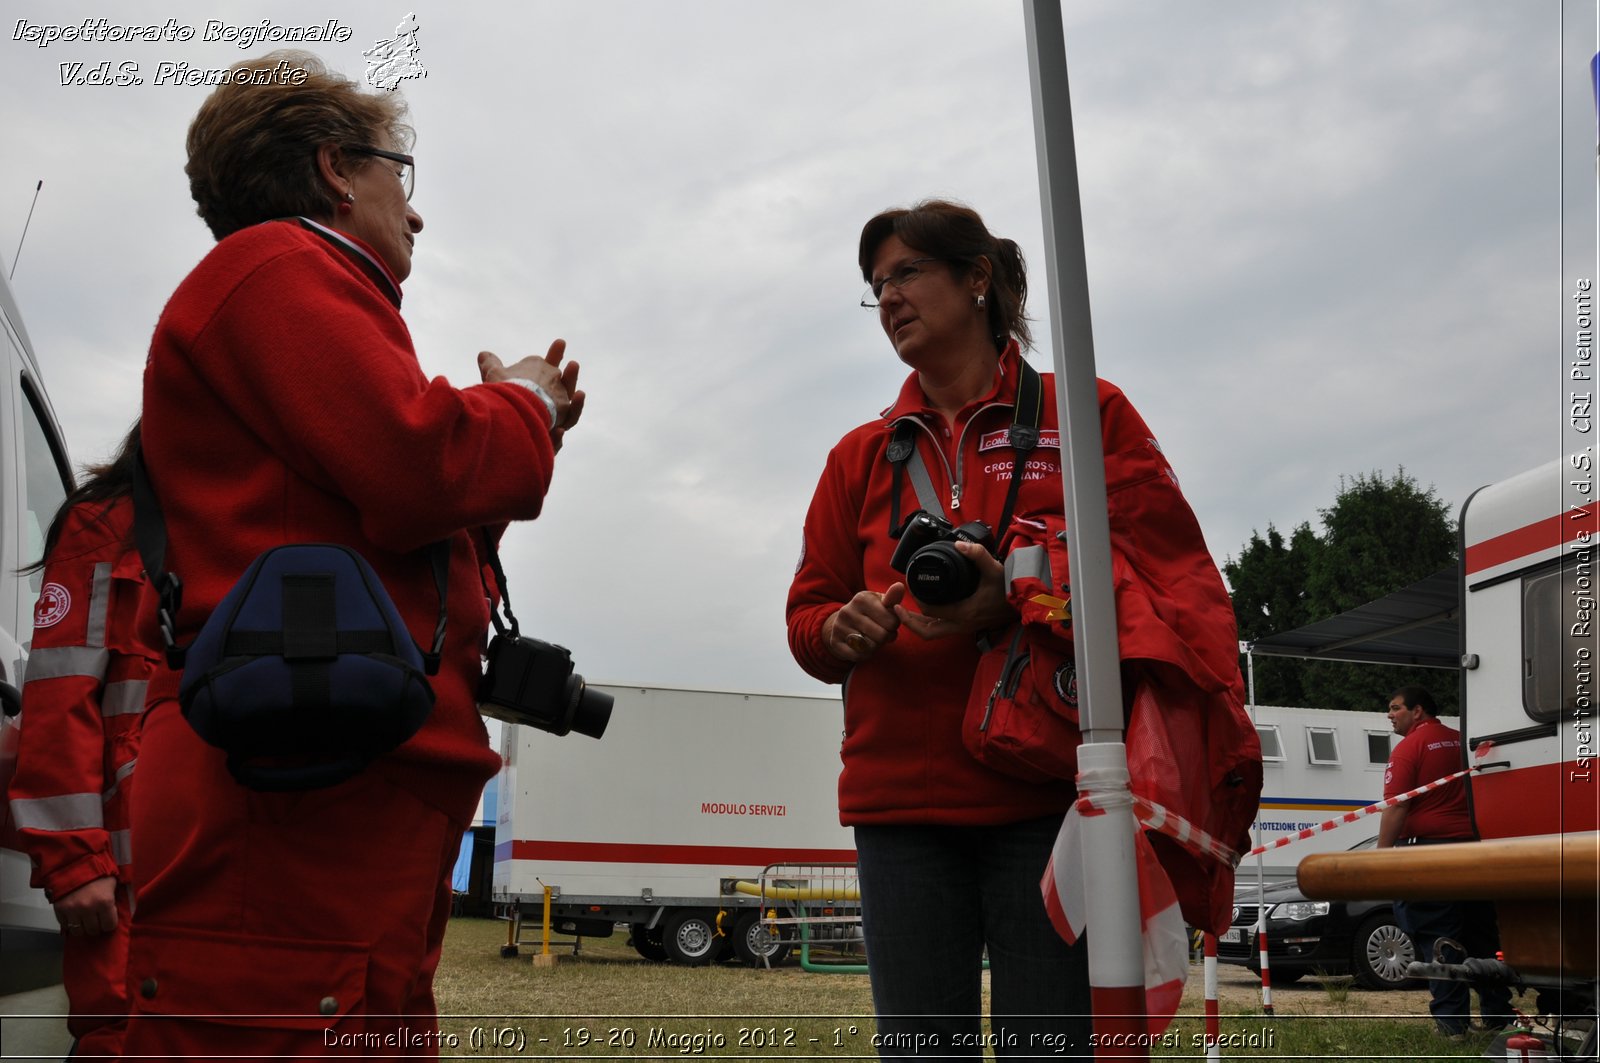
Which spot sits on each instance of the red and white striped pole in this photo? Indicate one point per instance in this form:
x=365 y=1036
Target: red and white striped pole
x=1213 y=1019
x=1110 y=869
x=1266 y=963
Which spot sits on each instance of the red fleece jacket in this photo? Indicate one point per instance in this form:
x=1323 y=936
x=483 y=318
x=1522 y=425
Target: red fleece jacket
x=283 y=402
x=903 y=757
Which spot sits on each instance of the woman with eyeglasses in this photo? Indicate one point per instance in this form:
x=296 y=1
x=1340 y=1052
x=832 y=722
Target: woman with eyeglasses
x=950 y=851
x=284 y=403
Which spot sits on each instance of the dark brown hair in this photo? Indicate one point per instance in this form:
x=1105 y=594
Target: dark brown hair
x=955 y=233
x=253 y=144
x=101 y=483
x=1416 y=698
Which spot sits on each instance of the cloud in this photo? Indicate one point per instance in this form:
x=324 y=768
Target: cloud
x=1322 y=238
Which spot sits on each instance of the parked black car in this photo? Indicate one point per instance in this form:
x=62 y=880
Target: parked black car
x=1359 y=938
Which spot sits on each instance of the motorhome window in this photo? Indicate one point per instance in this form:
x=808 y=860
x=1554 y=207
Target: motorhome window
x=1555 y=631
x=46 y=483
x=1271 y=741
x=1378 y=747
x=1323 y=745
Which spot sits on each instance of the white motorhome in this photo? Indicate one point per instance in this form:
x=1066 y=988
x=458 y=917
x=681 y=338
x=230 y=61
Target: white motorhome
x=1519 y=620
x=34 y=479
x=689 y=793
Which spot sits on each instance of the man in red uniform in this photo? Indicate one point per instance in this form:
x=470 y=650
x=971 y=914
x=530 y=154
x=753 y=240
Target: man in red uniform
x=1429 y=750
x=85 y=688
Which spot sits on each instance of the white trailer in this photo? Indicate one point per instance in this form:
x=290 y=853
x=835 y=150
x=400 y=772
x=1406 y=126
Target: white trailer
x=618 y=838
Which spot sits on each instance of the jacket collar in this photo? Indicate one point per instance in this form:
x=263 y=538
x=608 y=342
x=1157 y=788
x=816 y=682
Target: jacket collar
x=913 y=401
x=360 y=254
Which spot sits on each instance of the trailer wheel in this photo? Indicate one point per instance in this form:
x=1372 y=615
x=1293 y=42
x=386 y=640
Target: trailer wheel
x=1380 y=953
x=756 y=945
x=689 y=936
x=646 y=941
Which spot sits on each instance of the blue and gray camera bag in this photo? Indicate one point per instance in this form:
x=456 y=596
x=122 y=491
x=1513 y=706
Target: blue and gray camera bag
x=305 y=671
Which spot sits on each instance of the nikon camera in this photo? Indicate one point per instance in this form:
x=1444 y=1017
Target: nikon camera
x=531 y=682
x=935 y=571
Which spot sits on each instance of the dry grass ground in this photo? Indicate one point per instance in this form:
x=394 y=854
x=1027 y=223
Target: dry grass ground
x=607 y=1001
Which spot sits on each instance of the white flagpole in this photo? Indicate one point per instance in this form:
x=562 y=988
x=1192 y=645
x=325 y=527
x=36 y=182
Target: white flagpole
x=1111 y=885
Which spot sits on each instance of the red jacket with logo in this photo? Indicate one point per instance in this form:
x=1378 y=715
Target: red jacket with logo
x=1191 y=748
x=83 y=694
x=1430 y=750
x=283 y=403
x=904 y=761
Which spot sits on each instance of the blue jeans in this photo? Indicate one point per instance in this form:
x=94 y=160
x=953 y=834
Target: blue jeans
x=932 y=898
x=1472 y=924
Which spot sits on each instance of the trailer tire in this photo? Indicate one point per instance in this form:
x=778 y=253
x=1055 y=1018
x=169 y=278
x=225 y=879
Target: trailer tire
x=755 y=945
x=646 y=942
x=690 y=937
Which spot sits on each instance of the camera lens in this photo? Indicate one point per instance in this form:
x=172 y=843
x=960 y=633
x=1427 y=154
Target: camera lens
x=938 y=575
x=589 y=710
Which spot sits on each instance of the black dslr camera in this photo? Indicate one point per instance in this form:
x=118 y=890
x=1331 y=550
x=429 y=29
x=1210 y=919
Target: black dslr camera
x=935 y=571
x=531 y=682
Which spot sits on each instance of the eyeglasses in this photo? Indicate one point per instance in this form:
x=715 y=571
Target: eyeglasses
x=408 y=171
x=899 y=277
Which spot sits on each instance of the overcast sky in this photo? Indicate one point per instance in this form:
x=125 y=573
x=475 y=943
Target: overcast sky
x=1323 y=239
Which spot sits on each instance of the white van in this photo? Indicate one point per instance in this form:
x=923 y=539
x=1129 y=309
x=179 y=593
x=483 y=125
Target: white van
x=34 y=480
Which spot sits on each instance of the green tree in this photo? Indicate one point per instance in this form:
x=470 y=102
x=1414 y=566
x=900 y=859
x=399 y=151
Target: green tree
x=1269 y=595
x=1380 y=535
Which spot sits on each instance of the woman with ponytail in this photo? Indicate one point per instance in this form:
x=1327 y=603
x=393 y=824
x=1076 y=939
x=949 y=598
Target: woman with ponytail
x=83 y=694
x=951 y=850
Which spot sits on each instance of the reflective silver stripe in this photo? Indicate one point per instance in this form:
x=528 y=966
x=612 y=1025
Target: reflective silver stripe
x=65 y=812
x=123 y=697
x=122 y=847
x=56 y=662
x=99 y=605
x=1029 y=562
x=122 y=773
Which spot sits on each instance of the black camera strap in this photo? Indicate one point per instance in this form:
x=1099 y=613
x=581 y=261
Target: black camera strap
x=150 y=535
x=493 y=556
x=1026 y=415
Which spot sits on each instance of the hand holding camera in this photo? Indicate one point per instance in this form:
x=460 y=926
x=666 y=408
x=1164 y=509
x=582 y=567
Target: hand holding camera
x=954 y=576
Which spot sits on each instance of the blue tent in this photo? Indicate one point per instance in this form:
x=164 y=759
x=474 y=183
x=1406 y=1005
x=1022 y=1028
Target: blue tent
x=461 y=876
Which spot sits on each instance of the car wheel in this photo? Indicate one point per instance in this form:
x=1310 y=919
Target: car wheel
x=690 y=937
x=1380 y=952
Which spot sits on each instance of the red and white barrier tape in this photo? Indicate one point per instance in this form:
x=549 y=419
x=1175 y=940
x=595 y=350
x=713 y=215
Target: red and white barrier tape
x=1154 y=817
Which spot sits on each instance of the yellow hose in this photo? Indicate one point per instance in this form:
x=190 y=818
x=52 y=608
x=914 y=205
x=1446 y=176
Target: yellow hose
x=799 y=893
